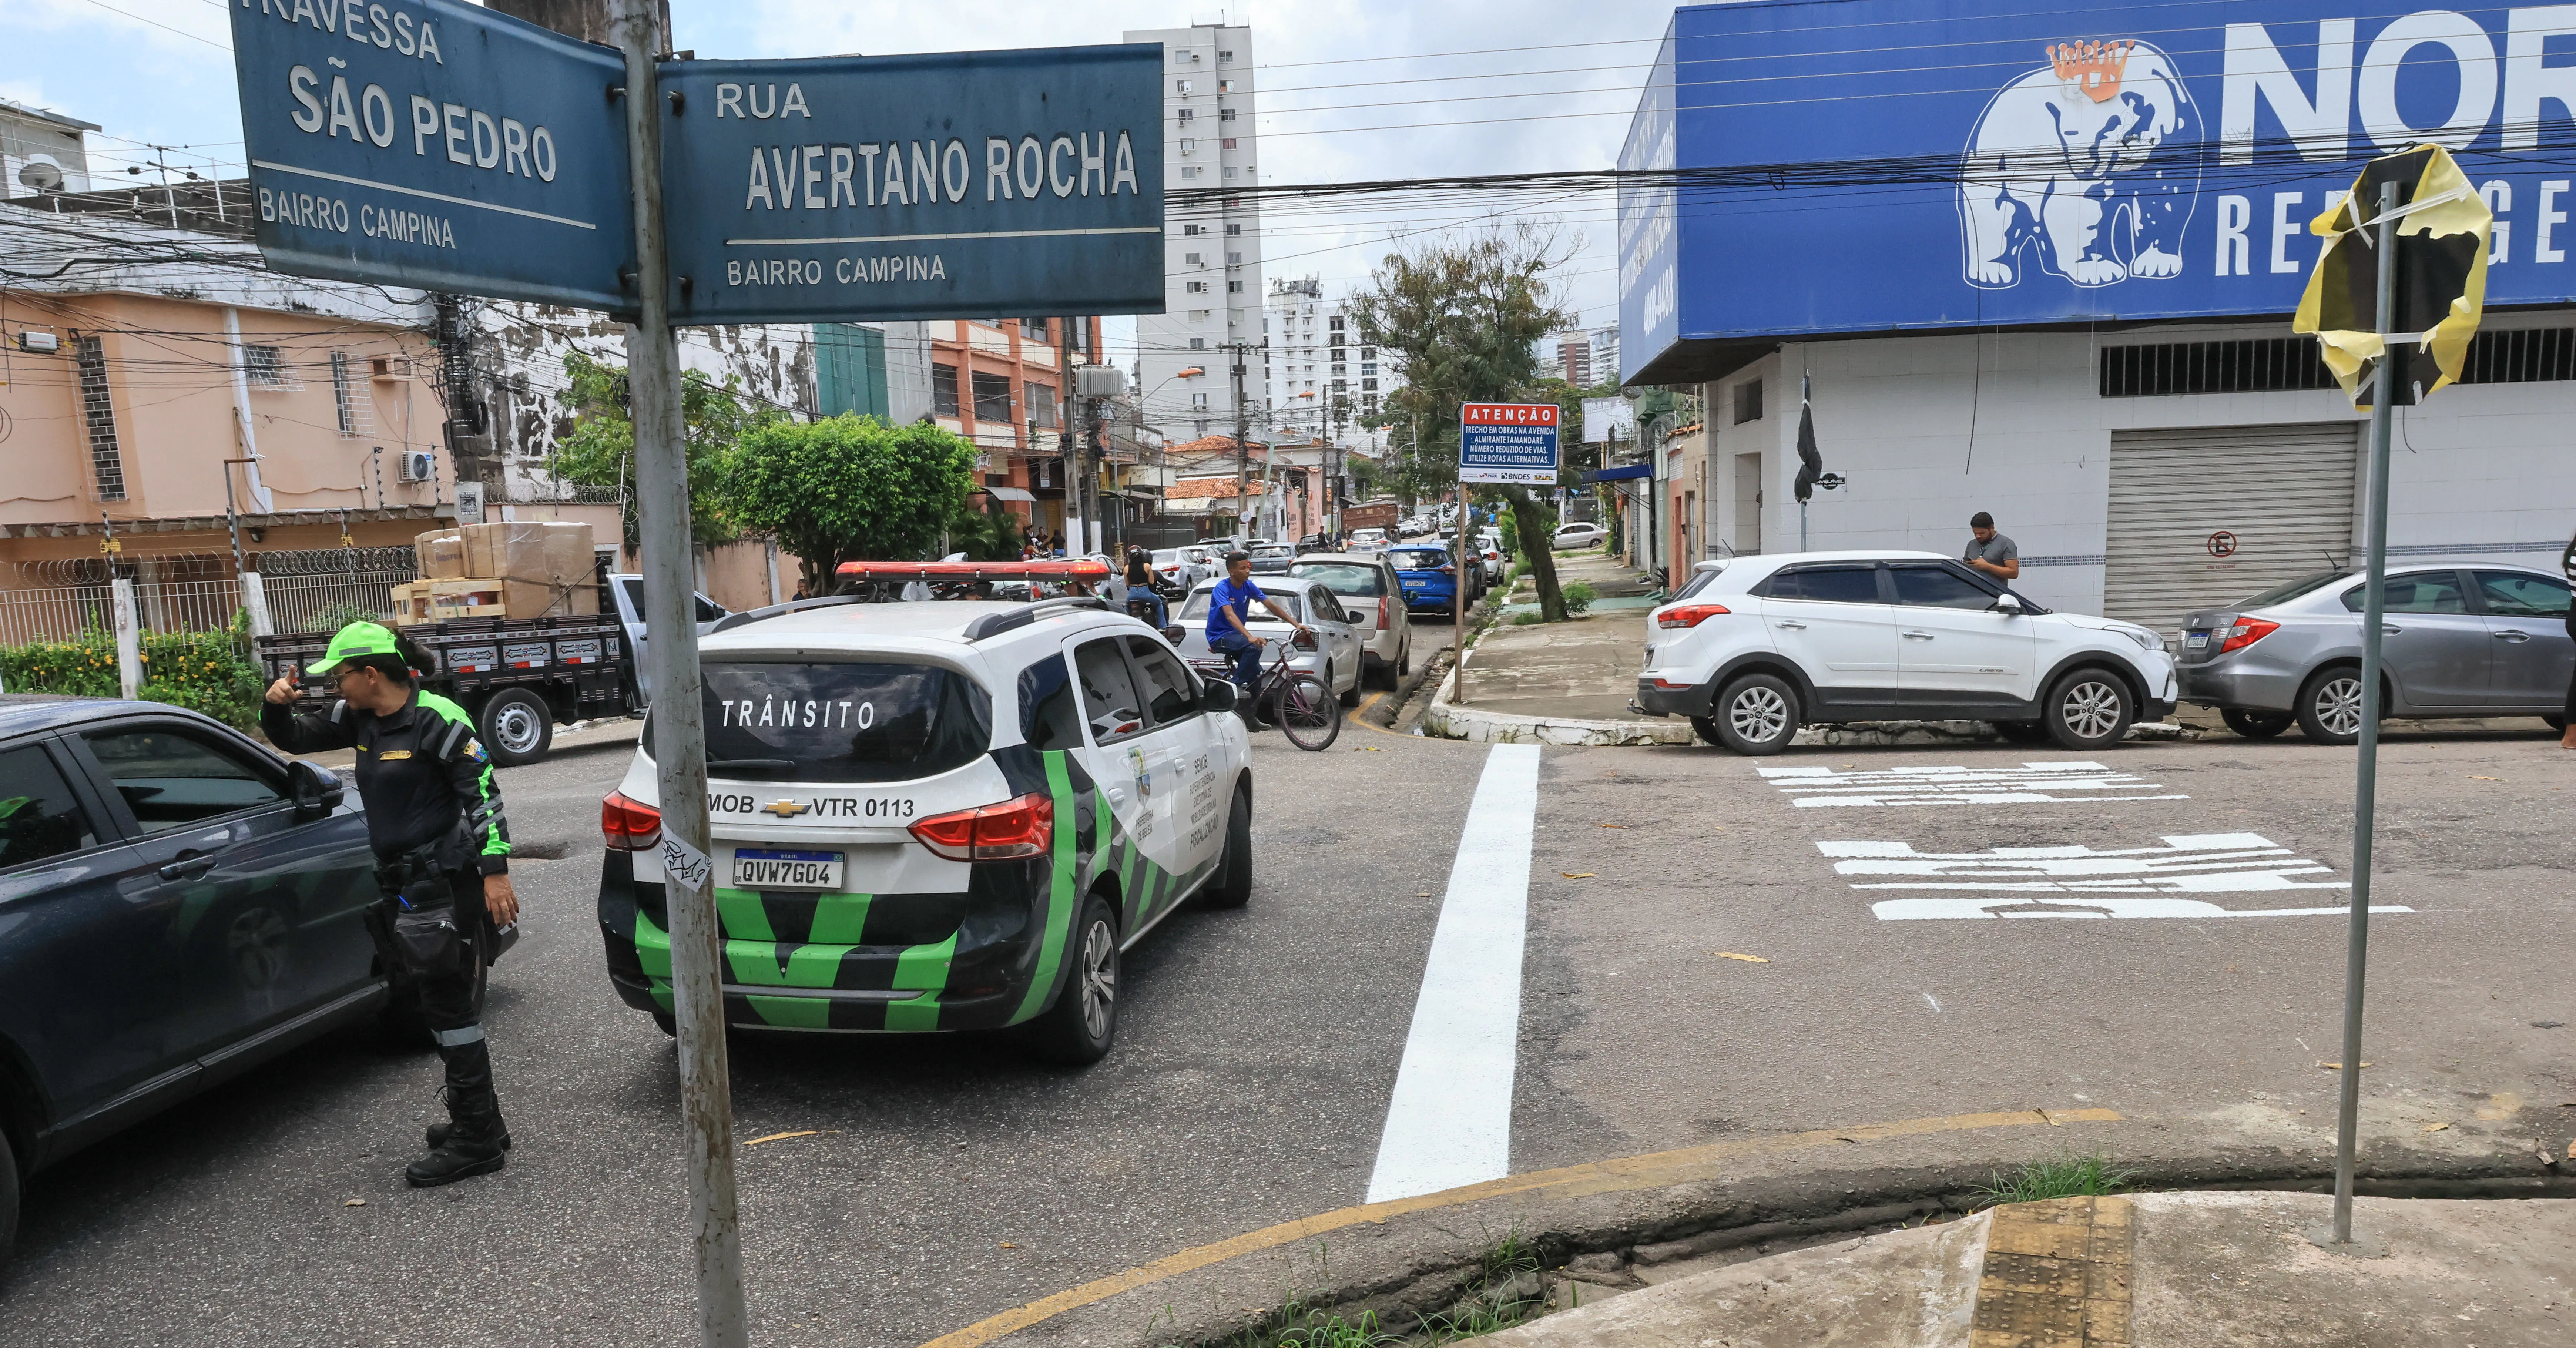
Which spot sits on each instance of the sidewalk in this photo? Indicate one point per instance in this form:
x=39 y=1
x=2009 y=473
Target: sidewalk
x=2170 y=1270
x=1560 y=683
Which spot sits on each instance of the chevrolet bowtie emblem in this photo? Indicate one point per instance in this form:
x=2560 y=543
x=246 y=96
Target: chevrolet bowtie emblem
x=785 y=809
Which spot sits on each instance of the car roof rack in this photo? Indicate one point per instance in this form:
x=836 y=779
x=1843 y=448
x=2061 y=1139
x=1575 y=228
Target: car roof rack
x=731 y=621
x=995 y=624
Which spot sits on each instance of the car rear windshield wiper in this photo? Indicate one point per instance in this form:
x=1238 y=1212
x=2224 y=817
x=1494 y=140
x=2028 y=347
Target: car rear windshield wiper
x=761 y=764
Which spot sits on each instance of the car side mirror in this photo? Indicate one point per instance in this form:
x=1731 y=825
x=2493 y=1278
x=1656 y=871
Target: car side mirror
x=2007 y=603
x=1216 y=697
x=318 y=790
x=1175 y=633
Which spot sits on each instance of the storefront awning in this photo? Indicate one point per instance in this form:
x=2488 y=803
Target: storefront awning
x=1617 y=474
x=1008 y=494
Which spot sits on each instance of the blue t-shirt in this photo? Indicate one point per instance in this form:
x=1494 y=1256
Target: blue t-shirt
x=1230 y=595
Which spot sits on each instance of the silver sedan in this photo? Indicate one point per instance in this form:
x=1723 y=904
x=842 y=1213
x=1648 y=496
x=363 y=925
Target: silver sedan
x=1336 y=657
x=2459 y=640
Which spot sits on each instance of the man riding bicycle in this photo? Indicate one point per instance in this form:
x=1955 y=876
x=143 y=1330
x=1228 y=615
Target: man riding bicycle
x=1228 y=608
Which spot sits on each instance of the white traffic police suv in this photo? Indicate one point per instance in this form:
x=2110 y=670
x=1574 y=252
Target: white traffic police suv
x=1753 y=648
x=939 y=816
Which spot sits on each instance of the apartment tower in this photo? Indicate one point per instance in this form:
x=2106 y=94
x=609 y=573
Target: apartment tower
x=1212 y=290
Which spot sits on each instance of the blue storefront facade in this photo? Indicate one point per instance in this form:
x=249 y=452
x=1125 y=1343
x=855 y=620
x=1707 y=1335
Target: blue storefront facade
x=2042 y=260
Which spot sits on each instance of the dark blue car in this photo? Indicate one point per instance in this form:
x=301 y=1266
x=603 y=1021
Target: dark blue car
x=1429 y=577
x=177 y=905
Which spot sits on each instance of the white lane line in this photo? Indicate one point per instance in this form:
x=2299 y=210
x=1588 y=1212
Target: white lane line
x=1450 y=1121
x=2085 y=882
x=2029 y=783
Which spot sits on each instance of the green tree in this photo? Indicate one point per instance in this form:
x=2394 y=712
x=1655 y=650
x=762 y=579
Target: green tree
x=600 y=452
x=1461 y=316
x=845 y=488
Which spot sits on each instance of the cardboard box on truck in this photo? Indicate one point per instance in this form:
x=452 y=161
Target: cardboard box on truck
x=506 y=550
x=441 y=554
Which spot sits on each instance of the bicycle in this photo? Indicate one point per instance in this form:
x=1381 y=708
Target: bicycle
x=1292 y=699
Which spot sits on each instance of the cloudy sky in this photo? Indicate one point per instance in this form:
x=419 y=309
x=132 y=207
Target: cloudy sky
x=1349 y=90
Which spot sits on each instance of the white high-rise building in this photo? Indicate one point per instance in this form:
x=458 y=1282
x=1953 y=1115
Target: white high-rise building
x=1319 y=378
x=1212 y=253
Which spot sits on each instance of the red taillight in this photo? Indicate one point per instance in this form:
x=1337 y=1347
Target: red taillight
x=1688 y=615
x=1384 y=619
x=1015 y=828
x=2245 y=633
x=629 y=825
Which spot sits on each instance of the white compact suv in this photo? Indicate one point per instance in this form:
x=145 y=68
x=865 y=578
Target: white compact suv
x=939 y=816
x=1751 y=649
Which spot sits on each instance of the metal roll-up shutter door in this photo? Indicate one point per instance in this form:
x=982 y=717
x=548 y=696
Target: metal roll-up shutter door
x=2284 y=494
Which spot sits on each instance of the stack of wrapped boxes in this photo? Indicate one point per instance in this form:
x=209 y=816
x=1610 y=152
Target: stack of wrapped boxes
x=513 y=569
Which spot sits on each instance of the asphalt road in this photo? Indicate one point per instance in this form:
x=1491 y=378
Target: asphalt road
x=1259 y=1049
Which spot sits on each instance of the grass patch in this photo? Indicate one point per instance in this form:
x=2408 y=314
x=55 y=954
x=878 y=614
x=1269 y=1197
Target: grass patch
x=2060 y=1177
x=1527 y=619
x=1497 y=1296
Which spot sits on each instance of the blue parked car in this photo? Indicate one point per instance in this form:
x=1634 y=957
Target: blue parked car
x=177 y=905
x=1429 y=578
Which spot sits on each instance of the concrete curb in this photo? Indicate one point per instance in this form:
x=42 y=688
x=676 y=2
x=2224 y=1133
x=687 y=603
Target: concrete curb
x=1767 y=1195
x=1448 y=720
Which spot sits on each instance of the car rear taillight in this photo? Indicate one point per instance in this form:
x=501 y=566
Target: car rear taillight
x=627 y=824
x=1688 y=615
x=1014 y=828
x=2245 y=633
x=1385 y=619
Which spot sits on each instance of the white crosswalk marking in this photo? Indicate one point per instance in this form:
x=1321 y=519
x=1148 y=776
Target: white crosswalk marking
x=2027 y=784
x=2082 y=882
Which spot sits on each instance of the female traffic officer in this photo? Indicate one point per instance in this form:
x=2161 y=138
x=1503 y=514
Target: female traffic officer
x=442 y=861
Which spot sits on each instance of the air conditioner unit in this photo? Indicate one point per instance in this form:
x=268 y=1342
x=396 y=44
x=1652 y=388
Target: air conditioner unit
x=389 y=367
x=418 y=465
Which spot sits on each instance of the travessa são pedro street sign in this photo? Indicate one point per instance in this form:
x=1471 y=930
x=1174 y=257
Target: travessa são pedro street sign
x=435 y=144
x=951 y=185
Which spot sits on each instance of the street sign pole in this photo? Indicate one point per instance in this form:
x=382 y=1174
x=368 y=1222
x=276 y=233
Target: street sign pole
x=679 y=730
x=2383 y=400
x=1458 y=596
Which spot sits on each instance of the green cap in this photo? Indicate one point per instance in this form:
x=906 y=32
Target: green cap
x=353 y=642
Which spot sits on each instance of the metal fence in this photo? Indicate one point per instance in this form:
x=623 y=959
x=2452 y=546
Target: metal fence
x=296 y=603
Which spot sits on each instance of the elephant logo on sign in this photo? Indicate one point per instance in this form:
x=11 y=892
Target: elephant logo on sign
x=2088 y=165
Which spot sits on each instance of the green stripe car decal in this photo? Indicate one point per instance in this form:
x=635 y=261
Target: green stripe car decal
x=924 y=967
x=1060 y=896
x=839 y=918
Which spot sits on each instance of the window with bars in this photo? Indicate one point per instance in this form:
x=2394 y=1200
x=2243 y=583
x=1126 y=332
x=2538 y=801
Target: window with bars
x=343 y=398
x=265 y=367
x=1041 y=402
x=992 y=397
x=106 y=458
x=2291 y=364
x=943 y=390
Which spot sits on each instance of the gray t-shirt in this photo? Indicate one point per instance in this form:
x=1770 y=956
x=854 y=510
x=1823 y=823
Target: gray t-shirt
x=1997 y=550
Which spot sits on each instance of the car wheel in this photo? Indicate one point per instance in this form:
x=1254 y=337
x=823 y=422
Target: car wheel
x=2330 y=706
x=8 y=1199
x=1350 y=696
x=1077 y=1030
x=1757 y=714
x=516 y=727
x=2088 y=709
x=670 y=1024
x=1403 y=662
x=2256 y=725
x=1233 y=885
x=1706 y=728
x=2021 y=732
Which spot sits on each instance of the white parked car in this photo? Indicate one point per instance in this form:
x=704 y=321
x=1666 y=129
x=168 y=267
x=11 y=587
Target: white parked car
x=1373 y=598
x=938 y=816
x=1182 y=568
x=1368 y=540
x=1336 y=658
x=1751 y=649
x=1573 y=536
x=1489 y=546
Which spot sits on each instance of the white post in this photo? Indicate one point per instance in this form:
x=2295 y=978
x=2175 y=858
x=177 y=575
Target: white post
x=129 y=642
x=254 y=598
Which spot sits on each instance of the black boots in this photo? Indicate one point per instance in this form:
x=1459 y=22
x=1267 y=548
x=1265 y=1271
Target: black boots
x=473 y=1140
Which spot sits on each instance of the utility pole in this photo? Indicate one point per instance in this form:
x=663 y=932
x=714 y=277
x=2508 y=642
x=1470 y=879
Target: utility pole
x=1078 y=488
x=1242 y=443
x=679 y=729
